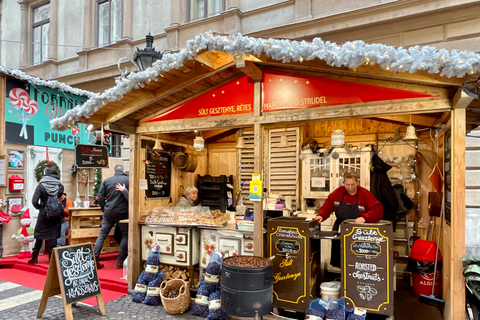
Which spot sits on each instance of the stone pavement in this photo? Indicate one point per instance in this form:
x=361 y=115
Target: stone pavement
x=13 y=307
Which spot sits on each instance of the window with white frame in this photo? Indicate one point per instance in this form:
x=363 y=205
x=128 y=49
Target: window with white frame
x=199 y=9
x=109 y=17
x=40 y=32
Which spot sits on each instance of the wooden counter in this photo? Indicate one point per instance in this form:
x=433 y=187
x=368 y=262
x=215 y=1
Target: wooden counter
x=85 y=224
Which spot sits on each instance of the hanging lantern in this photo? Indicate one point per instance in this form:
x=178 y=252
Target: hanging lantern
x=338 y=138
x=240 y=143
x=410 y=135
x=198 y=142
x=158 y=145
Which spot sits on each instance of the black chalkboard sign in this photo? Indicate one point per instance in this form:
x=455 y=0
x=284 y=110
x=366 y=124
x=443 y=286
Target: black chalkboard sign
x=91 y=156
x=367 y=266
x=366 y=248
x=72 y=272
x=78 y=273
x=447 y=156
x=158 y=172
x=290 y=246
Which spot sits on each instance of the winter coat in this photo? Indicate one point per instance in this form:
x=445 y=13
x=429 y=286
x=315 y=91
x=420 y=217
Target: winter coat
x=382 y=189
x=114 y=203
x=184 y=202
x=47 y=228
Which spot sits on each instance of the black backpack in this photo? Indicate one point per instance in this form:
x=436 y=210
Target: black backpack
x=53 y=207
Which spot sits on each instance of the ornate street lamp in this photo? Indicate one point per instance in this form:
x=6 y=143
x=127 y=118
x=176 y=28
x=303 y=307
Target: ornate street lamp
x=146 y=57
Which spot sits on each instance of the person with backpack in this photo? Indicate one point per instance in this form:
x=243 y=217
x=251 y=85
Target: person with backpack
x=113 y=199
x=47 y=200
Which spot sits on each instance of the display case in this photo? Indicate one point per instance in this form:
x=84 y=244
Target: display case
x=323 y=173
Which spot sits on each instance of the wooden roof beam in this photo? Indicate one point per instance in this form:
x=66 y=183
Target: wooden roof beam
x=349 y=111
x=461 y=100
x=249 y=68
x=214 y=59
x=416 y=119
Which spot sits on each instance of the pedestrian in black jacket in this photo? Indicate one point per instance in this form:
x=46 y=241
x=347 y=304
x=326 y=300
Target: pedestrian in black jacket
x=46 y=228
x=113 y=199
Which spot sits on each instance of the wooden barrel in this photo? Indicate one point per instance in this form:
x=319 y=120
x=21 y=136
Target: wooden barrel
x=180 y=160
x=191 y=165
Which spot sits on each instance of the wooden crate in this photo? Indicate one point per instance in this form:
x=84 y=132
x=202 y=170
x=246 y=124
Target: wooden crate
x=85 y=224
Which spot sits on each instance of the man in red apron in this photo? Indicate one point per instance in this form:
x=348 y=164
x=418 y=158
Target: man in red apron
x=349 y=201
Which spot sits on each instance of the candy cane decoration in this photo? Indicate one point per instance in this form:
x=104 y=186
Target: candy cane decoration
x=31 y=107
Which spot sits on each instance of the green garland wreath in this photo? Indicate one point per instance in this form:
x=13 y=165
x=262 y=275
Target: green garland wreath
x=39 y=169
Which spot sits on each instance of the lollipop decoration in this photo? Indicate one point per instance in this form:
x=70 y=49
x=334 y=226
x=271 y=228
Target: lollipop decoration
x=18 y=96
x=30 y=108
x=21 y=100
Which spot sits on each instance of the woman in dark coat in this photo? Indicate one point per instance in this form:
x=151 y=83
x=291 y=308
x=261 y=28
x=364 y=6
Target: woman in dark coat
x=46 y=228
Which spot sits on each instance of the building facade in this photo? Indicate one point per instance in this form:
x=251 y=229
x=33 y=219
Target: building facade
x=81 y=42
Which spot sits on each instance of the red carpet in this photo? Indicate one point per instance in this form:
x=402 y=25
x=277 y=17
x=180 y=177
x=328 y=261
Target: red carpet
x=20 y=272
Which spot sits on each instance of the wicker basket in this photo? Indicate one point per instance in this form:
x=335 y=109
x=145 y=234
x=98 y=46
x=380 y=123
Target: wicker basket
x=179 y=304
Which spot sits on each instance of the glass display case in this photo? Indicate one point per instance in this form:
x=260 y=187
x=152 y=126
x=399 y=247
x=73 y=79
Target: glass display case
x=323 y=174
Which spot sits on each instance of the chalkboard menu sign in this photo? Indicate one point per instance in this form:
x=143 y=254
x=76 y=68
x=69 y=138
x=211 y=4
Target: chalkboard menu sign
x=72 y=273
x=447 y=150
x=158 y=173
x=91 y=156
x=78 y=273
x=367 y=266
x=296 y=262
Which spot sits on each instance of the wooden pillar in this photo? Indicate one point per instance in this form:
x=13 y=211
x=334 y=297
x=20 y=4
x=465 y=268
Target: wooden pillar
x=454 y=293
x=134 y=234
x=258 y=169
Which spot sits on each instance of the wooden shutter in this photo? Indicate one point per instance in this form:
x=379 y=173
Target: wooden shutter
x=246 y=167
x=282 y=164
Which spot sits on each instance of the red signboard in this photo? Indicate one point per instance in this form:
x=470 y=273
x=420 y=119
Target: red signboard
x=283 y=91
x=235 y=97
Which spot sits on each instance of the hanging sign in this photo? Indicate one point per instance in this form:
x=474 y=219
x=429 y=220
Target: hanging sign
x=28 y=111
x=91 y=156
x=255 y=188
x=284 y=91
x=367 y=266
x=158 y=173
x=72 y=273
x=235 y=97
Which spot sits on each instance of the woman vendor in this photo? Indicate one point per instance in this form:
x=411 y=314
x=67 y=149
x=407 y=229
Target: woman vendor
x=349 y=201
x=189 y=197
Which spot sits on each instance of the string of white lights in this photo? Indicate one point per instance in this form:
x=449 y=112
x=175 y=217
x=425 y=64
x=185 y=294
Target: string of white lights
x=351 y=54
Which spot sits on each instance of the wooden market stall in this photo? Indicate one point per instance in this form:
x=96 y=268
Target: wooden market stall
x=227 y=92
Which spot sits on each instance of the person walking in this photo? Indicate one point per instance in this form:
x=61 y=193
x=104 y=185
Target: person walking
x=67 y=203
x=46 y=228
x=113 y=199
